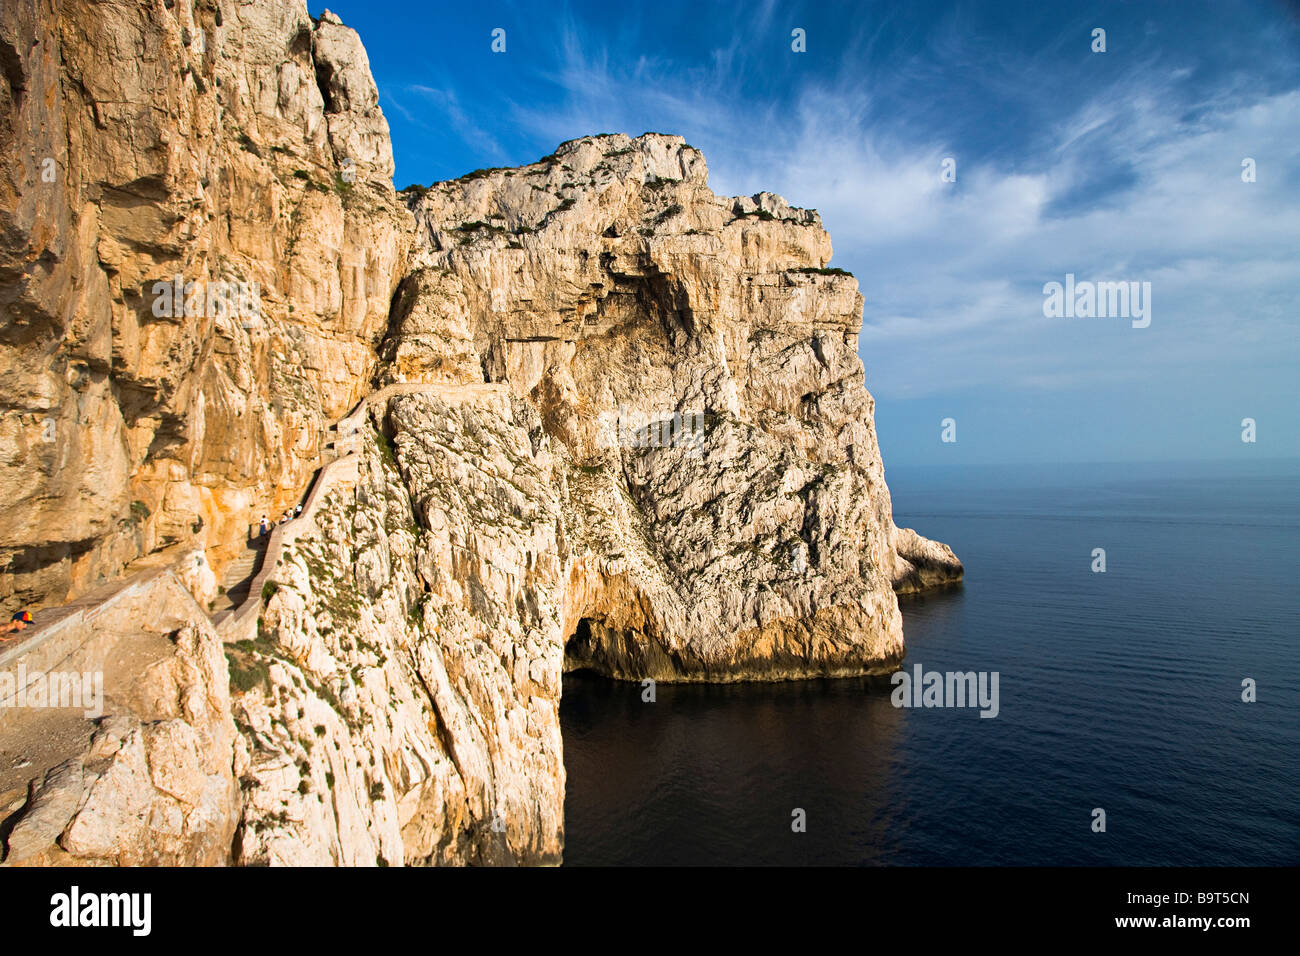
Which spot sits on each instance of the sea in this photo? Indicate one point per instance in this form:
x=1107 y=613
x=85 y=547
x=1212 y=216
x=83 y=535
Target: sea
x=1148 y=713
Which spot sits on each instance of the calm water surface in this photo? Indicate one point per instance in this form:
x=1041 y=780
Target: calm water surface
x=1119 y=690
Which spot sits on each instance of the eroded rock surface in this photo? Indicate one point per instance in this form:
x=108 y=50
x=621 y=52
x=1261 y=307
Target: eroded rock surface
x=695 y=363
x=402 y=699
x=613 y=421
x=141 y=770
x=225 y=143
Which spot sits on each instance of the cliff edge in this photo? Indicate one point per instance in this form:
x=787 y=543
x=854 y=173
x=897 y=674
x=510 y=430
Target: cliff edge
x=600 y=418
x=695 y=365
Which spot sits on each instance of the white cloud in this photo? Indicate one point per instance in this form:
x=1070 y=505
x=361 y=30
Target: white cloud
x=1138 y=183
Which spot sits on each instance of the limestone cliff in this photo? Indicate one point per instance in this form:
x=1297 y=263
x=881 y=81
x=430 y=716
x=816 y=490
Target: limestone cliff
x=240 y=147
x=725 y=512
x=608 y=419
x=401 y=698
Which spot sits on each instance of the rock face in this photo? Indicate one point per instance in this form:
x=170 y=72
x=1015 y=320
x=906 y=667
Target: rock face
x=141 y=770
x=402 y=698
x=695 y=362
x=240 y=147
x=613 y=421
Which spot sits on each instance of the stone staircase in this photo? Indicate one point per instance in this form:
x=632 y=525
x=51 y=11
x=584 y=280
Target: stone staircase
x=238 y=577
x=235 y=611
x=237 y=581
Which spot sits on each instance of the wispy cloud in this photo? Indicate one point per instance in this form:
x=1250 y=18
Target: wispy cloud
x=1123 y=186
x=444 y=101
x=1123 y=166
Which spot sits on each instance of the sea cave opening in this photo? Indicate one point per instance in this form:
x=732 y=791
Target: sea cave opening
x=580 y=648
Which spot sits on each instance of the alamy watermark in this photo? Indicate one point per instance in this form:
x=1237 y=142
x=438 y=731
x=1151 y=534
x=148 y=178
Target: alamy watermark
x=1098 y=300
x=632 y=428
x=133 y=911
x=212 y=300
x=950 y=689
x=77 y=690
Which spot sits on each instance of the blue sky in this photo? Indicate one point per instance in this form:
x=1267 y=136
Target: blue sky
x=1123 y=165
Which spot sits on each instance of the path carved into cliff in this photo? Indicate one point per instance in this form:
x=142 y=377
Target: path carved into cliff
x=387 y=689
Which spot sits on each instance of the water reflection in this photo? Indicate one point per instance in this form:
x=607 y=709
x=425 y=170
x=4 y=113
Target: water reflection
x=712 y=773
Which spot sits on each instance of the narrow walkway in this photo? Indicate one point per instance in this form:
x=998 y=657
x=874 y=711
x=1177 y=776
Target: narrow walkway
x=238 y=577
x=234 y=610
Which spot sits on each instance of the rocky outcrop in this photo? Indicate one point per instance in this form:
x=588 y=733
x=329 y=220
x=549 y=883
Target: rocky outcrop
x=402 y=697
x=921 y=564
x=117 y=745
x=695 y=362
x=608 y=419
